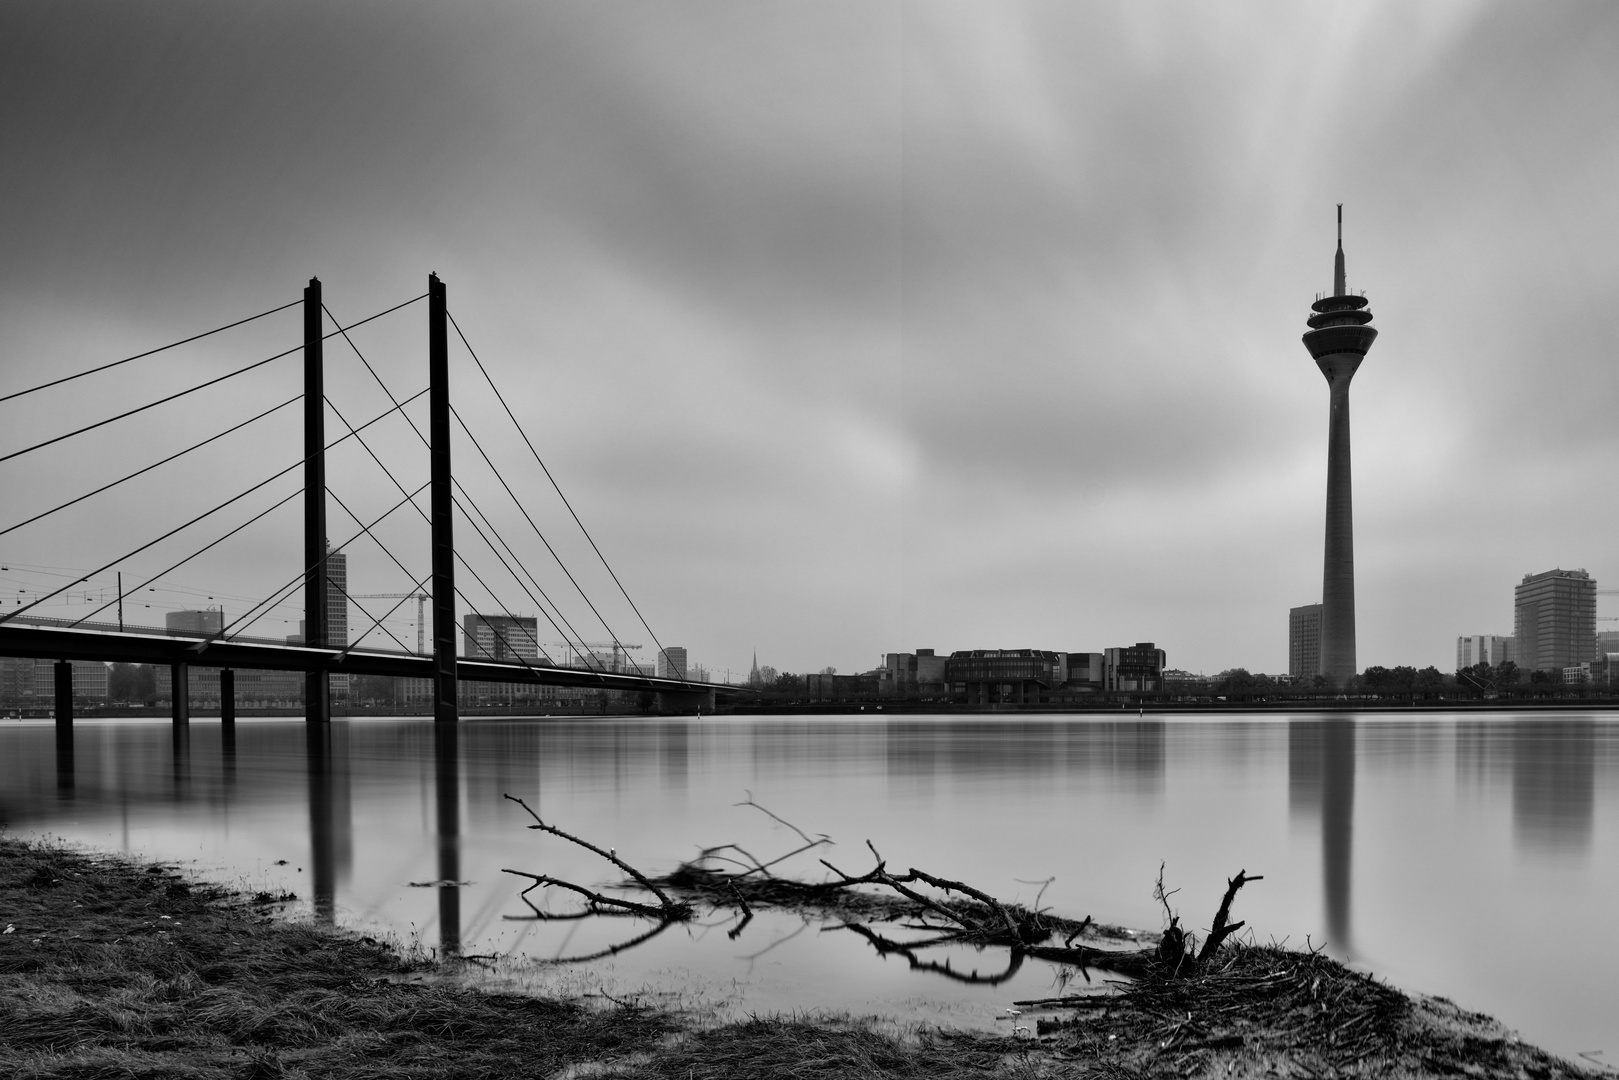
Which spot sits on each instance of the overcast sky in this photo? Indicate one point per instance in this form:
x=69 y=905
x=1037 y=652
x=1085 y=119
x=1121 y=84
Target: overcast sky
x=847 y=327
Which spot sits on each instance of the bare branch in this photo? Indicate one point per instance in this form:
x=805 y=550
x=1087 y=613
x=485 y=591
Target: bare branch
x=609 y=855
x=781 y=820
x=596 y=899
x=1221 y=929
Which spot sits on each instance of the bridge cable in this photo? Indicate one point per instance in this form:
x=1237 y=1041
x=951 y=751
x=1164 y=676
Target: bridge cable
x=155 y=464
x=234 y=498
x=148 y=352
x=580 y=638
x=600 y=618
x=192 y=390
x=583 y=650
x=365 y=530
x=303 y=575
x=375 y=623
x=389 y=474
x=193 y=555
x=401 y=565
x=558 y=489
x=492 y=659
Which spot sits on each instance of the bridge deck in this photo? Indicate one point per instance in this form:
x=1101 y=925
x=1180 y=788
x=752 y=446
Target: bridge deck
x=53 y=643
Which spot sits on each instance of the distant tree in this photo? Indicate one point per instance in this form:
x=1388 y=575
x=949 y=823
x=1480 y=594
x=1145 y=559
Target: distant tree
x=132 y=682
x=829 y=670
x=1320 y=682
x=1428 y=682
x=1375 y=679
x=1506 y=676
x=1402 y=679
x=1476 y=679
x=767 y=676
x=788 y=683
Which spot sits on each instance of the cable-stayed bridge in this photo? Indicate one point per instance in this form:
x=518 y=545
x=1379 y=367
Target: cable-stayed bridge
x=508 y=651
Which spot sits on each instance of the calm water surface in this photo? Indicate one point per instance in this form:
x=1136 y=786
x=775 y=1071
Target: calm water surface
x=1473 y=858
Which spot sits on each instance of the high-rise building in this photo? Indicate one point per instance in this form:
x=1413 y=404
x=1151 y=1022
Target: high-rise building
x=1304 y=643
x=1555 y=620
x=672 y=663
x=1338 y=339
x=337 y=604
x=1492 y=649
x=501 y=639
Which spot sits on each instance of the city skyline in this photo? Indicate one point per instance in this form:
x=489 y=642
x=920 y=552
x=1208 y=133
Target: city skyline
x=857 y=328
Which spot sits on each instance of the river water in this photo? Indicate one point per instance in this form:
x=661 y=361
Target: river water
x=1475 y=858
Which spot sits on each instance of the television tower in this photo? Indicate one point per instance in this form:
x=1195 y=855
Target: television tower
x=1338 y=339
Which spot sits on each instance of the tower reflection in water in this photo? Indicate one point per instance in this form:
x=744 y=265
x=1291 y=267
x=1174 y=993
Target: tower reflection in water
x=447 y=776
x=1321 y=782
x=331 y=843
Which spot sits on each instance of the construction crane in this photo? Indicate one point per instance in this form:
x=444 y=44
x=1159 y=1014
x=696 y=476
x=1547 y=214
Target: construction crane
x=421 y=602
x=616 y=646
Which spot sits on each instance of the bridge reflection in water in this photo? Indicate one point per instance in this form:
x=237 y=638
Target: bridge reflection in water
x=1405 y=833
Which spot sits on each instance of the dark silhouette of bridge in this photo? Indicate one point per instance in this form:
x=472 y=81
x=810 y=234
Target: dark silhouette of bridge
x=316 y=657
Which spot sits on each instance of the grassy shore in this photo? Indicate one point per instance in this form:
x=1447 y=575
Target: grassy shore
x=110 y=969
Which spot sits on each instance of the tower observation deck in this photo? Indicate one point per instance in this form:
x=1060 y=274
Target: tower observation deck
x=1338 y=339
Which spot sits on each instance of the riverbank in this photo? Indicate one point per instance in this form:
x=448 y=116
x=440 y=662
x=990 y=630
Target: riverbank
x=112 y=969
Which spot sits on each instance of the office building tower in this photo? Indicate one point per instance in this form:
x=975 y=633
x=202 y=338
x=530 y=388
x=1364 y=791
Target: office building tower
x=501 y=639
x=1492 y=649
x=1338 y=340
x=1555 y=620
x=1304 y=643
x=672 y=663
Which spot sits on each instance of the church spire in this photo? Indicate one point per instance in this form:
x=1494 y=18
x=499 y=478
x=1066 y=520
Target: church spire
x=1339 y=288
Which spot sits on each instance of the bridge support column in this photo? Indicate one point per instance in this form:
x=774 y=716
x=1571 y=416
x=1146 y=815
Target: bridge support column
x=317 y=686
x=227 y=697
x=441 y=509
x=63 y=671
x=180 y=693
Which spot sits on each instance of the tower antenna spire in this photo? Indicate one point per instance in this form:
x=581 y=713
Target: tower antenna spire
x=1339 y=286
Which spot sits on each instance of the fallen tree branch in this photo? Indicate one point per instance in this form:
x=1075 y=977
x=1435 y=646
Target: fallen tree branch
x=671 y=908
x=597 y=900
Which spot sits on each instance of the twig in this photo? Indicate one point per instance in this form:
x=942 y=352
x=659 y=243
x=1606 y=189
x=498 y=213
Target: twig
x=747 y=914
x=610 y=856
x=596 y=899
x=778 y=818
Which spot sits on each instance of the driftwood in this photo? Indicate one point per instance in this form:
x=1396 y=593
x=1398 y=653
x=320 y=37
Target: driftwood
x=668 y=910
x=954 y=913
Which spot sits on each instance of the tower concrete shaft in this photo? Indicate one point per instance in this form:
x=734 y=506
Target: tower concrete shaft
x=1338 y=339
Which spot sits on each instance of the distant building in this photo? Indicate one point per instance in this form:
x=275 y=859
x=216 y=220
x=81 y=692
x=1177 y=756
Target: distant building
x=502 y=639
x=1554 y=621
x=1492 y=649
x=337 y=616
x=198 y=623
x=1084 y=673
x=860 y=687
x=1138 y=668
x=1304 y=643
x=918 y=674
x=1003 y=676
x=672 y=663
x=89 y=682
x=1607 y=642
